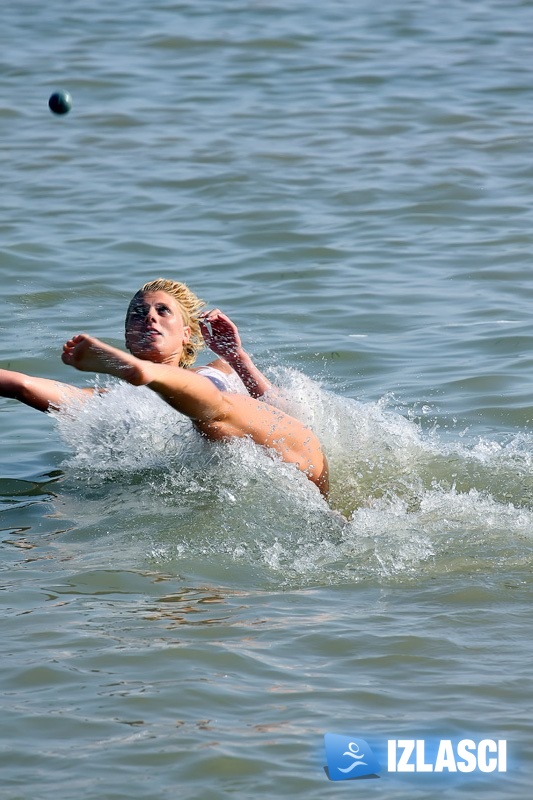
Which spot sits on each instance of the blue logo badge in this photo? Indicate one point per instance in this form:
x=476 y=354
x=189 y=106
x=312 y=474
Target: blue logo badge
x=348 y=757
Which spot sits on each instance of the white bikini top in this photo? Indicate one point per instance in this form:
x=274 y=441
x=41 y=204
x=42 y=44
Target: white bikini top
x=226 y=382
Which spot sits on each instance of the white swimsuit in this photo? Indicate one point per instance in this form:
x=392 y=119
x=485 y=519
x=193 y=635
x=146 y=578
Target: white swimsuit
x=226 y=382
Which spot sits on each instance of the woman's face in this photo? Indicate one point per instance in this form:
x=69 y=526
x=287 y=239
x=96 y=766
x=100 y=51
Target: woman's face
x=155 y=330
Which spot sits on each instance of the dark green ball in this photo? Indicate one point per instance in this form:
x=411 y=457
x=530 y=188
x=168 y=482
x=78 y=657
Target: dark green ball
x=60 y=102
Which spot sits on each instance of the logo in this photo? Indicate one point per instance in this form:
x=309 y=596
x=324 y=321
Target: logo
x=349 y=757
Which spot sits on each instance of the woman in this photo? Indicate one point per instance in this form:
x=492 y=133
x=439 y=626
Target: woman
x=213 y=328
x=163 y=334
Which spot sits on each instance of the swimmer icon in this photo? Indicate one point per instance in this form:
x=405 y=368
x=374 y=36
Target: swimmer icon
x=354 y=751
x=349 y=757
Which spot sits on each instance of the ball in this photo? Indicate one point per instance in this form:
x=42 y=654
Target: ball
x=60 y=102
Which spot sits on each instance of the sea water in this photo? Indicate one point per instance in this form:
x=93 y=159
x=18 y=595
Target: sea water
x=350 y=183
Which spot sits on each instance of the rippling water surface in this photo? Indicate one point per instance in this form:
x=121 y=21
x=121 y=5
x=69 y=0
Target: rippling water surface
x=351 y=182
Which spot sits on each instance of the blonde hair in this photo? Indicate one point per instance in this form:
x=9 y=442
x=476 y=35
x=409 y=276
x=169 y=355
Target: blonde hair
x=190 y=305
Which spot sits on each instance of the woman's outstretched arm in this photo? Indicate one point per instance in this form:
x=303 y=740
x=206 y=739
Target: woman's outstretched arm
x=217 y=415
x=39 y=393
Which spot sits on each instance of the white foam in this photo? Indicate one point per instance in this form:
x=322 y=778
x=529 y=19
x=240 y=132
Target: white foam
x=414 y=504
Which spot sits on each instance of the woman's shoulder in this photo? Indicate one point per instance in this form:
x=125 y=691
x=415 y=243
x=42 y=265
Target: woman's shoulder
x=218 y=365
x=222 y=375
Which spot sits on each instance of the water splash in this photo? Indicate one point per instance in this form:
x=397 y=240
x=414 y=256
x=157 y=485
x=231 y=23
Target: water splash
x=403 y=501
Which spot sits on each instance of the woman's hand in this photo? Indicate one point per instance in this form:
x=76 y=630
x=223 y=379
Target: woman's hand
x=222 y=337
x=220 y=334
